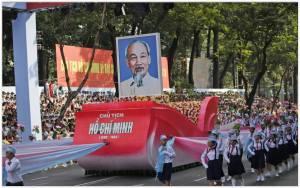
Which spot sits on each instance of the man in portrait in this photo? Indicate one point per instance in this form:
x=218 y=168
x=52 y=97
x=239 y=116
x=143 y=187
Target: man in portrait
x=138 y=60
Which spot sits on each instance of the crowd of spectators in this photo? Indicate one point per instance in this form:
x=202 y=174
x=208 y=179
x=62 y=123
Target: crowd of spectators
x=231 y=107
x=10 y=128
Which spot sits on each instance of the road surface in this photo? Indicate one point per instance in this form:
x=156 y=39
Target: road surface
x=74 y=176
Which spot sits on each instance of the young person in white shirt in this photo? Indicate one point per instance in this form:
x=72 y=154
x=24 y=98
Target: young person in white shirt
x=272 y=155
x=291 y=146
x=213 y=167
x=13 y=168
x=169 y=156
x=257 y=150
x=250 y=139
x=233 y=156
x=230 y=133
x=282 y=149
x=220 y=146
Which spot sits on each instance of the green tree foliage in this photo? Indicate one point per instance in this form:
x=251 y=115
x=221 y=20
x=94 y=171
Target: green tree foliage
x=257 y=41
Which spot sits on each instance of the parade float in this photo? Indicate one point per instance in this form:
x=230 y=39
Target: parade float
x=132 y=131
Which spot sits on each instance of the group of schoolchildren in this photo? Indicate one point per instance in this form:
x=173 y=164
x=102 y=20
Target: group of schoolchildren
x=275 y=145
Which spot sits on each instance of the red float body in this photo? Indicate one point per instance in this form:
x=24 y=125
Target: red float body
x=137 y=150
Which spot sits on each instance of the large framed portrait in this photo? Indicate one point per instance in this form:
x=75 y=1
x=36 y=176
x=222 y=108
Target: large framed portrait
x=139 y=65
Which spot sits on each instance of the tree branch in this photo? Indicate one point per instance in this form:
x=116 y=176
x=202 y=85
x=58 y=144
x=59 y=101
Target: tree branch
x=278 y=92
x=245 y=82
x=61 y=48
x=72 y=95
x=95 y=45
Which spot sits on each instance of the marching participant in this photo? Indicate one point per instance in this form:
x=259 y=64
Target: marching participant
x=263 y=131
x=272 y=159
x=213 y=167
x=294 y=125
x=239 y=137
x=220 y=147
x=232 y=155
x=257 y=150
x=248 y=142
x=166 y=155
x=291 y=146
x=295 y=134
x=282 y=149
x=230 y=133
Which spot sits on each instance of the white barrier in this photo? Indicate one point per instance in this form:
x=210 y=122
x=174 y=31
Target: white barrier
x=84 y=89
x=241 y=91
x=13 y=89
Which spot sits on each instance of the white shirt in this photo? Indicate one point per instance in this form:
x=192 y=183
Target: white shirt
x=13 y=170
x=251 y=135
x=257 y=146
x=290 y=137
x=264 y=133
x=211 y=154
x=239 y=139
x=150 y=86
x=232 y=150
x=270 y=144
x=220 y=145
x=281 y=140
x=169 y=153
x=295 y=133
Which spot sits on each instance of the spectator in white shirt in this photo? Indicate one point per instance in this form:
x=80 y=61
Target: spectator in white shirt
x=13 y=168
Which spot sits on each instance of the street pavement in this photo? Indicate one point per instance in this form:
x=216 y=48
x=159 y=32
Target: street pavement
x=74 y=176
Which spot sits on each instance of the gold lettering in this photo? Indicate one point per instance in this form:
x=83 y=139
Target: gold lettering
x=95 y=68
x=111 y=69
x=85 y=67
x=101 y=69
x=69 y=66
x=107 y=68
x=74 y=66
x=80 y=66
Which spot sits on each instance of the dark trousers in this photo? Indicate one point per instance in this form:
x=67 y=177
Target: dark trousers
x=15 y=184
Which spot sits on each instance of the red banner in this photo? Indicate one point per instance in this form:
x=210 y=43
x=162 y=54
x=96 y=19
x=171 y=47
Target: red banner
x=165 y=72
x=31 y=6
x=101 y=75
x=77 y=59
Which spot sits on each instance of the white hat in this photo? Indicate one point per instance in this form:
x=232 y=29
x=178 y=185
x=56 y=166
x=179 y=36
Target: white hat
x=10 y=149
x=163 y=137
